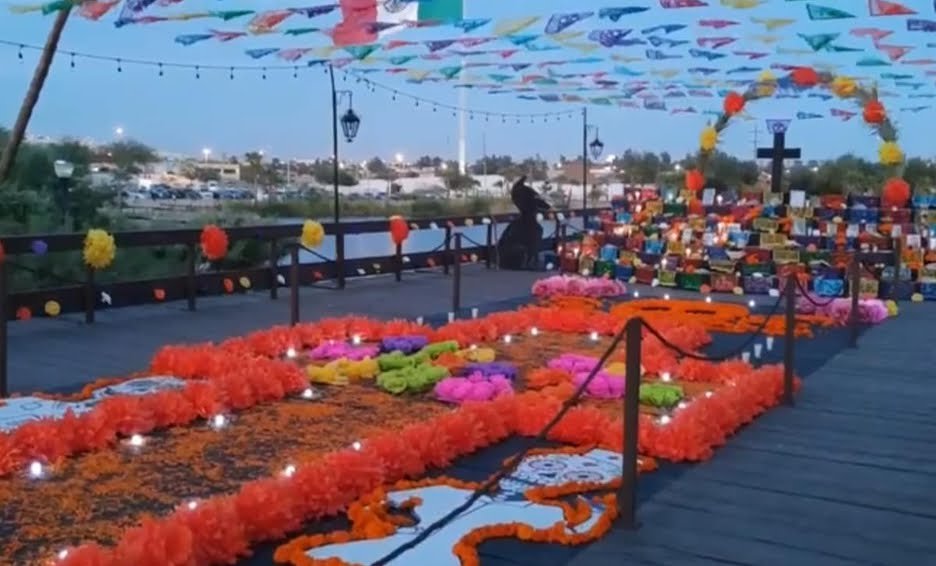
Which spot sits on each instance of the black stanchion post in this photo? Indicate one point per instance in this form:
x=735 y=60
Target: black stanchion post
x=557 y=238
x=398 y=262
x=456 y=276
x=294 y=285
x=898 y=260
x=190 y=277
x=789 y=339
x=446 y=255
x=89 y=296
x=854 y=284
x=339 y=257
x=4 y=385
x=274 y=269
x=627 y=494
x=489 y=243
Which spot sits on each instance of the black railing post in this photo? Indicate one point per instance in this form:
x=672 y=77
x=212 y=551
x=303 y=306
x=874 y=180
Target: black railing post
x=489 y=252
x=274 y=270
x=339 y=257
x=4 y=385
x=294 y=285
x=627 y=494
x=89 y=296
x=446 y=255
x=456 y=276
x=789 y=339
x=398 y=262
x=557 y=235
x=190 y=281
x=898 y=260
x=854 y=284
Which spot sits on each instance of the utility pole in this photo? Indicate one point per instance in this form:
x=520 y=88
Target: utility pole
x=755 y=138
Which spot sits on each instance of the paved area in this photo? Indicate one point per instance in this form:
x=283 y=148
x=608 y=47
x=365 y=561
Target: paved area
x=63 y=353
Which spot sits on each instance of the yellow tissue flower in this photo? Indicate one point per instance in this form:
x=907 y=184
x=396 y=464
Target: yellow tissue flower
x=709 y=138
x=890 y=153
x=616 y=368
x=477 y=355
x=312 y=234
x=844 y=86
x=99 y=248
x=892 y=309
x=916 y=298
x=766 y=84
x=53 y=308
x=342 y=371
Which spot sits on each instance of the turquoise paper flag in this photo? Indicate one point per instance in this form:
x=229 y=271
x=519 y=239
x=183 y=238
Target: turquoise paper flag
x=824 y=13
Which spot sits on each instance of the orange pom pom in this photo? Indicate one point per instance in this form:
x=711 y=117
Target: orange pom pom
x=896 y=193
x=214 y=242
x=399 y=229
x=734 y=103
x=159 y=294
x=695 y=180
x=874 y=112
x=805 y=77
x=228 y=285
x=23 y=313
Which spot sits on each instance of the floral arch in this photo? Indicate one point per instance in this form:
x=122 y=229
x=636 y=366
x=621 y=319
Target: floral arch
x=896 y=191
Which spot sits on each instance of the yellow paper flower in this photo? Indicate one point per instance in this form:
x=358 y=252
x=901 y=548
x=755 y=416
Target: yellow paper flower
x=916 y=298
x=709 y=138
x=244 y=282
x=313 y=234
x=616 y=368
x=892 y=309
x=478 y=355
x=844 y=86
x=890 y=153
x=53 y=308
x=99 y=248
x=766 y=84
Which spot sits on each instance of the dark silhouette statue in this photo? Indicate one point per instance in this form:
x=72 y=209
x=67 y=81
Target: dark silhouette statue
x=519 y=245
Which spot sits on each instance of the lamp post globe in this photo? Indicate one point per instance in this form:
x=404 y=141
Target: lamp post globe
x=64 y=169
x=350 y=124
x=596 y=147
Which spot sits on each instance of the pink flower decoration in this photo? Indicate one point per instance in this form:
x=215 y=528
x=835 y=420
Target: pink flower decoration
x=870 y=311
x=603 y=386
x=573 y=285
x=573 y=363
x=338 y=350
x=474 y=387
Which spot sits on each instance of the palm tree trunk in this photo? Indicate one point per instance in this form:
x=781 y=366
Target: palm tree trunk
x=32 y=95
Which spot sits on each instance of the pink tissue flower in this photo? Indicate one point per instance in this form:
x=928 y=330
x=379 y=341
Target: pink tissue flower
x=870 y=311
x=602 y=386
x=338 y=350
x=573 y=363
x=474 y=387
x=573 y=285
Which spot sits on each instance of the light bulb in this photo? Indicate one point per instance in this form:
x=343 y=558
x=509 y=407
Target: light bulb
x=594 y=336
x=666 y=297
x=308 y=393
x=751 y=303
x=708 y=394
x=291 y=353
x=192 y=505
x=137 y=440
x=665 y=376
x=508 y=339
x=473 y=347
x=356 y=340
x=289 y=471
x=62 y=554
x=218 y=421
x=534 y=331
x=636 y=294
x=35 y=469
x=708 y=299
x=665 y=420
x=356 y=445
x=681 y=405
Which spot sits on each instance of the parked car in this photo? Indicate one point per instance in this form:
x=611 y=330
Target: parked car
x=159 y=193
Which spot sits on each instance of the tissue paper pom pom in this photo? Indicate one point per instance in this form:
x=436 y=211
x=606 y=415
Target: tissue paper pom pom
x=53 y=308
x=399 y=230
x=99 y=248
x=805 y=77
x=844 y=87
x=896 y=193
x=916 y=298
x=313 y=234
x=733 y=104
x=695 y=180
x=890 y=153
x=708 y=139
x=874 y=112
x=214 y=242
x=573 y=285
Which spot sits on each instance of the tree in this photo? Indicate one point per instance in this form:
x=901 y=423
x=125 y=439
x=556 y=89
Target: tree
x=455 y=181
x=130 y=155
x=425 y=162
x=379 y=169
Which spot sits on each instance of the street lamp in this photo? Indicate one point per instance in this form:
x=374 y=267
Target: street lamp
x=205 y=153
x=64 y=171
x=119 y=131
x=350 y=122
x=398 y=158
x=596 y=148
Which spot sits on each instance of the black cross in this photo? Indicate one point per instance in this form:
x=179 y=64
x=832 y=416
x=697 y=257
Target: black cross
x=777 y=154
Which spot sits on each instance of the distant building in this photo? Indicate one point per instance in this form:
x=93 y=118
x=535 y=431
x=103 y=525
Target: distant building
x=227 y=172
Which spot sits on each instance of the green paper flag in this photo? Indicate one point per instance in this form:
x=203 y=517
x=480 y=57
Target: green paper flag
x=819 y=41
x=229 y=15
x=360 y=52
x=449 y=72
x=824 y=13
x=441 y=11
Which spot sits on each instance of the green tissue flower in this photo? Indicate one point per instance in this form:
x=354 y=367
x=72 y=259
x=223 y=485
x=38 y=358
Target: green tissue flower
x=436 y=349
x=412 y=379
x=659 y=395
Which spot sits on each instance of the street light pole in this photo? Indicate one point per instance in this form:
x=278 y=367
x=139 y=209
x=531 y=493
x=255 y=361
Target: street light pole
x=585 y=167
x=349 y=125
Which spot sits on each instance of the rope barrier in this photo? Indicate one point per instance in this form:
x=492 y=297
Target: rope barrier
x=805 y=294
x=471 y=240
x=754 y=335
x=511 y=465
x=318 y=255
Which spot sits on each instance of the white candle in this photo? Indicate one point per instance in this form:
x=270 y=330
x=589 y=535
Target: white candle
x=758 y=348
x=770 y=340
x=474 y=313
x=451 y=317
x=745 y=357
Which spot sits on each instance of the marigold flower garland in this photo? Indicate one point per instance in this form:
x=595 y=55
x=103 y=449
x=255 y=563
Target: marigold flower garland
x=214 y=242
x=896 y=191
x=313 y=234
x=99 y=249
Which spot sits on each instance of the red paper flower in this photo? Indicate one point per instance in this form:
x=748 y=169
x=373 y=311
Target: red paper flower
x=159 y=294
x=214 y=242
x=228 y=285
x=896 y=193
x=734 y=103
x=23 y=313
x=695 y=180
x=805 y=77
x=399 y=230
x=874 y=112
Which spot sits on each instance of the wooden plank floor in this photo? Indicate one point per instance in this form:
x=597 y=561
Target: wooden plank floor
x=64 y=353
x=848 y=476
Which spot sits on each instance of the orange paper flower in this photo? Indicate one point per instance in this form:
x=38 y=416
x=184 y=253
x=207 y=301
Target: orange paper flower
x=695 y=180
x=214 y=242
x=805 y=77
x=874 y=112
x=399 y=230
x=896 y=193
x=733 y=103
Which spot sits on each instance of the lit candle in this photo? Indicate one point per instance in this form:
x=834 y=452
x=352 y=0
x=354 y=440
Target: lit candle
x=508 y=339
x=356 y=340
x=770 y=340
x=594 y=336
x=665 y=420
x=137 y=440
x=308 y=393
x=666 y=296
x=218 y=421
x=289 y=471
x=708 y=299
x=36 y=470
x=534 y=331
x=291 y=353
x=474 y=312
x=356 y=446
x=665 y=376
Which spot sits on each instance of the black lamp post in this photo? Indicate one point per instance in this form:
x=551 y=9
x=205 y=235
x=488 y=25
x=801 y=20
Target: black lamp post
x=64 y=171
x=350 y=122
x=596 y=147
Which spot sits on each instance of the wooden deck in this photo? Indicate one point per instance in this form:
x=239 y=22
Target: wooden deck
x=65 y=353
x=848 y=476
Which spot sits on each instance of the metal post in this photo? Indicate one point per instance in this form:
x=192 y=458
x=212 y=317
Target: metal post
x=4 y=386
x=448 y=249
x=789 y=340
x=557 y=239
x=190 y=288
x=89 y=299
x=456 y=276
x=398 y=262
x=489 y=243
x=627 y=495
x=274 y=270
x=339 y=229
x=854 y=284
x=585 y=167
x=294 y=285
x=898 y=260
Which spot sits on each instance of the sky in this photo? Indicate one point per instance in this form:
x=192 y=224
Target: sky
x=290 y=117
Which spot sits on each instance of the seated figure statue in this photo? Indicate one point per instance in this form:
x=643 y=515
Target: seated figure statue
x=519 y=245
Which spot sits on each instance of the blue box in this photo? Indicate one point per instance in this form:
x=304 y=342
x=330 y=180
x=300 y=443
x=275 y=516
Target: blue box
x=902 y=291
x=864 y=215
x=828 y=287
x=623 y=272
x=609 y=253
x=653 y=247
x=928 y=290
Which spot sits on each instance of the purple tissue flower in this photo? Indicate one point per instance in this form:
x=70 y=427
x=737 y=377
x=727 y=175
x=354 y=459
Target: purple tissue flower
x=405 y=344
x=486 y=369
x=39 y=247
